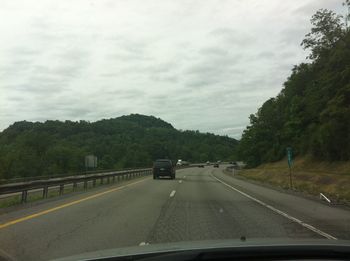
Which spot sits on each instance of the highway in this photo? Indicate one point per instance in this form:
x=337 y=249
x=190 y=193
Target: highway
x=200 y=204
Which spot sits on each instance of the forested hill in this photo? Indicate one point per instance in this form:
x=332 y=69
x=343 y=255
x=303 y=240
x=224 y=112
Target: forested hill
x=312 y=112
x=31 y=149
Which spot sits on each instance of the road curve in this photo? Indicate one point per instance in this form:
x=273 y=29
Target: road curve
x=200 y=204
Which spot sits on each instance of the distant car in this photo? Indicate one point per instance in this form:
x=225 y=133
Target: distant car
x=163 y=168
x=182 y=163
x=216 y=165
x=208 y=162
x=200 y=166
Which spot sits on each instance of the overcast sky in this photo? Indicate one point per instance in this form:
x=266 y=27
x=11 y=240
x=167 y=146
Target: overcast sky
x=203 y=65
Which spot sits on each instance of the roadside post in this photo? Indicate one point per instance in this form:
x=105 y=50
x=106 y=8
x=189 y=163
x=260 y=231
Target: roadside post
x=290 y=161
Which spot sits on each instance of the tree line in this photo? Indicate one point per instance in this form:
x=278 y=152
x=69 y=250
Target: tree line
x=311 y=114
x=29 y=149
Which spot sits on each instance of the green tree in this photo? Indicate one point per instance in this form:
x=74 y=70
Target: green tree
x=326 y=31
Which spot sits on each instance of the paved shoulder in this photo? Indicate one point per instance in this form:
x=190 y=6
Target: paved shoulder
x=330 y=219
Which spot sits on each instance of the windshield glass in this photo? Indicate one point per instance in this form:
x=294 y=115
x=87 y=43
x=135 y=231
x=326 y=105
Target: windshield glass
x=172 y=124
x=161 y=164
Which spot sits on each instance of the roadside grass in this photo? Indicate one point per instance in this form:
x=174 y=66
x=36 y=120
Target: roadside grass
x=34 y=196
x=312 y=177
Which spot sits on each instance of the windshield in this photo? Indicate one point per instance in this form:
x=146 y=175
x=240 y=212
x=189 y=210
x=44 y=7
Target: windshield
x=160 y=123
x=161 y=164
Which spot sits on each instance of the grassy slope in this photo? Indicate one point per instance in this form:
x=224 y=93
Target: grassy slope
x=332 y=179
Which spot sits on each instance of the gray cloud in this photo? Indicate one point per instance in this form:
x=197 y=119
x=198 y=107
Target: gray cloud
x=310 y=7
x=199 y=65
x=233 y=37
x=216 y=51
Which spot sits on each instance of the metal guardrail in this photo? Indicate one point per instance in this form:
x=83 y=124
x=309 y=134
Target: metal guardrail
x=45 y=184
x=25 y=179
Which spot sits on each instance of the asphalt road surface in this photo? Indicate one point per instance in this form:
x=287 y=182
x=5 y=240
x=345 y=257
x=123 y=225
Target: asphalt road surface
x=200 y=204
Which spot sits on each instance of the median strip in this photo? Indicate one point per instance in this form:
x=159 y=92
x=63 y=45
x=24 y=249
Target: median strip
x=312 y=228
x=15 y=221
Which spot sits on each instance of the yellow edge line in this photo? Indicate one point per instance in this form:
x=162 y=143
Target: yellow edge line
x=10 y=223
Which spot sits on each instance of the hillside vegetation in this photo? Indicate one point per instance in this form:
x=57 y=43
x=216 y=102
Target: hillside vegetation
x=312 y=112
x=311 y=176
x=30 y=149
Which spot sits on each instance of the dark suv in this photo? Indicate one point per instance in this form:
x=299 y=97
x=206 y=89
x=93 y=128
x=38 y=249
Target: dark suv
x=163 y=167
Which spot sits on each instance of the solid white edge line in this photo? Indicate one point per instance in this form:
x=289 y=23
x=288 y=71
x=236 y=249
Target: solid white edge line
x=172 y=193
x=312 y=228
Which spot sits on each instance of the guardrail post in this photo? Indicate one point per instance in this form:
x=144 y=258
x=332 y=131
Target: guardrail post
x=24 y=196
x=94 y=183
x=75 y=185
x=108 y=180
x=85 y=184
x=45 y=191
x=101 y=183
x=113 y=179
x=61 y=189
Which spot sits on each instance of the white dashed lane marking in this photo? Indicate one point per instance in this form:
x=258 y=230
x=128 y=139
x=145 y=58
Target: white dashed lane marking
x=172 y=193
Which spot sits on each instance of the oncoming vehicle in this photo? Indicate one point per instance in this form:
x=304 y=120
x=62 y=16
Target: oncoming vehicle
x=163 y=168
x=216 y=165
